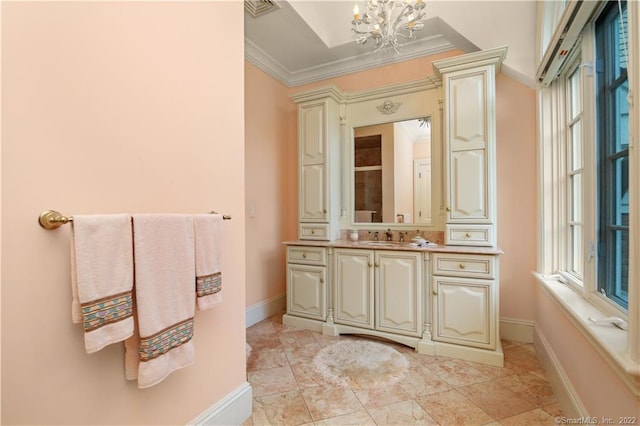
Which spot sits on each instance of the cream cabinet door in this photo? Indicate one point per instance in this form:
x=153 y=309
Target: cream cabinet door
x=313 y=123
x=354 y=293
x=470 y=135
x=398 y=292
x=306 y=291
x=313 y=194
x=465 y=311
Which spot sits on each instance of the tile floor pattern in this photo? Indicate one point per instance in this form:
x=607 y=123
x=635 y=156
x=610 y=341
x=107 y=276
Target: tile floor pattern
x=435 y=391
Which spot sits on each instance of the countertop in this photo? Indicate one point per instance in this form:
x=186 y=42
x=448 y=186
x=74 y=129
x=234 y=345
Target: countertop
x=394 y=245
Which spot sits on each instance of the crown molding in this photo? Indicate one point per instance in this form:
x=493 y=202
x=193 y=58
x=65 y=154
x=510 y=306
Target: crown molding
x=417 y=49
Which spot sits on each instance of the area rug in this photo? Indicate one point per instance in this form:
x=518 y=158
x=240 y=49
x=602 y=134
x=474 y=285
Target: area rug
x=360 y=364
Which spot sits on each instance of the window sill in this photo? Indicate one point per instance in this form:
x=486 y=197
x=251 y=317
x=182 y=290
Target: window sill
x=608 y=340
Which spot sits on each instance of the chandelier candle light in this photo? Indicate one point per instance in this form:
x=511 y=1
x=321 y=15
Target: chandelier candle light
x=385 y=21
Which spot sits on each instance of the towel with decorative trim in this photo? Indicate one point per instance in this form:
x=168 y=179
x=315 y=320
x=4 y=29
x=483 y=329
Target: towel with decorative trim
x=102 y=278
x=208 y=273
x=165 y=303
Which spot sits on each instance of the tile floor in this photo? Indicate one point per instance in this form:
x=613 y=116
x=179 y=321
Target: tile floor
x=436 y=391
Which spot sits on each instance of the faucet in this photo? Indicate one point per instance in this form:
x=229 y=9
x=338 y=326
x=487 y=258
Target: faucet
x=389 y=234
x=375 y=236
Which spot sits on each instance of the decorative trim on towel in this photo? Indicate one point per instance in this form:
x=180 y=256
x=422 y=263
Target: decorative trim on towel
x=208 y=284
x=162 y=342
x=101 y=312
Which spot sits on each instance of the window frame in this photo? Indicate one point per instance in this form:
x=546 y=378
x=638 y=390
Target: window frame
x=551 y=248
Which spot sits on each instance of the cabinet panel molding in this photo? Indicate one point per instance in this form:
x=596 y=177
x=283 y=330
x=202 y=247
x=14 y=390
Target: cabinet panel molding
x=306 y=294
x=399 y=292
x=469 y=124
x=314 y=207
x=313 y=134
x=468 y=186
x=465 y=311
x=354 y=287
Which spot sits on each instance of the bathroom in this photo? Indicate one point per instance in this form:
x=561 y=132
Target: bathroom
x=153 y=107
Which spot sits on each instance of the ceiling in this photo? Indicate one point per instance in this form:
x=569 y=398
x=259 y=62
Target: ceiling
x=301 y=41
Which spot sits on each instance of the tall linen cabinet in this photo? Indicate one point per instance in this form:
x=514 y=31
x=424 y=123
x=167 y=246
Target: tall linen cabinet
x=319 y=164
x=470 y=146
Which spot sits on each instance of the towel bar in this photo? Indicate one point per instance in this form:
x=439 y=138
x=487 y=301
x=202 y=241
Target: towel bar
x=51 y=219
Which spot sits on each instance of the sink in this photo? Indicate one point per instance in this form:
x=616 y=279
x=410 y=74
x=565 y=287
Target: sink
x=379 y=243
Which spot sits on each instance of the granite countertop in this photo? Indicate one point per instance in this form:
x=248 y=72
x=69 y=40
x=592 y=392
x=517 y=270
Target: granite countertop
x=394 y=245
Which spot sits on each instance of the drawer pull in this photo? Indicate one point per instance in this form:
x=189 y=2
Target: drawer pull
x=321 y=280
x=461 y=266
x=448 y=209
x=377 y=264
x=304 y=255
x=313 y=231
x=435 y=293
x=369 y=263
x=468 y=235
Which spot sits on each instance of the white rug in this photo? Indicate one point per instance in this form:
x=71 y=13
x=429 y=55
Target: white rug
x=360 y=364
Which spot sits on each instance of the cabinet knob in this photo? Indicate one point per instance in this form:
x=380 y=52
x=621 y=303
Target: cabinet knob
x=313 y=231
x=461 y=266
x=376 y=264
x=321 y=280
x=370 y=265
x=468 y=235
x=304 y=255
x=324 y=211
x=447 y=209
x=435 y=293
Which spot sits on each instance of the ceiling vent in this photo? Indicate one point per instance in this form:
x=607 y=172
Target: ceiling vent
x=257 y=8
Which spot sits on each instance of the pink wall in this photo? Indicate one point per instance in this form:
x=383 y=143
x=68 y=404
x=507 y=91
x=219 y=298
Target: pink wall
x=516 y=175
x=271 y=182
x=600 y=390
x=115 y=107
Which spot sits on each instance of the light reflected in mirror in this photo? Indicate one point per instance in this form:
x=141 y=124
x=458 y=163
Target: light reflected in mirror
x=392 y=172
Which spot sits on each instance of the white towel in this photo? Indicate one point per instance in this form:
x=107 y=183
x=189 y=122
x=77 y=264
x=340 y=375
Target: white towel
x=208 y=273
x=102 y=278
x=165 y=303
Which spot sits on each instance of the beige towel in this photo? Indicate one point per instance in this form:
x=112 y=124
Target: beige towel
x=165 y=303
x=208 y=273
x=102 y=278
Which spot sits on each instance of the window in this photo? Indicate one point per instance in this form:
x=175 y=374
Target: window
x=585 y=125
x=574 y=167
x=612 y=118
x=589 y=174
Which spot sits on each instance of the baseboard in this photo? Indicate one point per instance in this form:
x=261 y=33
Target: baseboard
x=563 y=389
x=233 y=409
x=516 y=330
x=263 y=310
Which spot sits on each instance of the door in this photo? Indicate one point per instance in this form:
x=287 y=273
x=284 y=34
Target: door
x=398 y=292
x=353 y=278
x=306 y=293
x=465 y=311
x=422 y=191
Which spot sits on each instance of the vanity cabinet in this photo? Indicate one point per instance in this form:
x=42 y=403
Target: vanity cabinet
x=465 y=299
x=307 y=282
x=470 y=144
x=378 y=290
x=319 y=164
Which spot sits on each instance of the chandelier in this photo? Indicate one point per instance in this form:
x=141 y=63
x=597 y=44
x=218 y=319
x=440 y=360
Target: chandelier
x=387 y=21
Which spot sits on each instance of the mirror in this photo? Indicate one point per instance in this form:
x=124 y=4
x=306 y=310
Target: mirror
x=392 y=173
x=396 y=134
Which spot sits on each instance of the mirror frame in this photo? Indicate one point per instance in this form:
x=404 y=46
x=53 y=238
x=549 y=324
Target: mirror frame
x=400 y=102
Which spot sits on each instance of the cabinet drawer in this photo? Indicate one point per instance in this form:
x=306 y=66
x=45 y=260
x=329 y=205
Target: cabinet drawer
x=314 y=231
x=464 y=265
x=469 y=235
x=307 y=255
